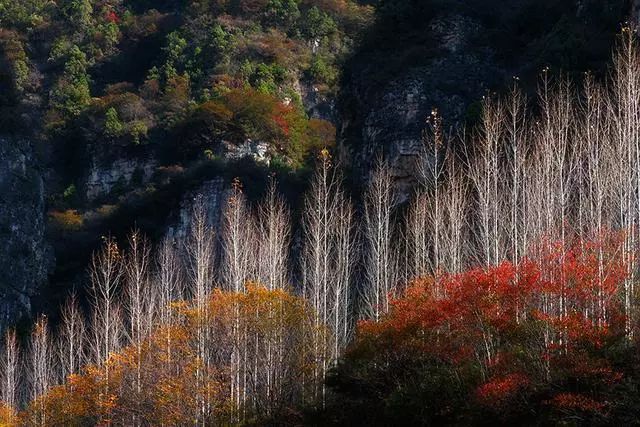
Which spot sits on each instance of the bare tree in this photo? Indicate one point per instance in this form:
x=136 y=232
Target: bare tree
x=341 y=290
x=238 y=241
x=71 y=338
x=484 y=174
x=41 y=365
x=516 y=133
x=274 y=233
x=455 y=233
x=326 y=258
x=11 y=371
x=238 y=268
x=431 y=171
x=168 y=281
x=139 y=306
x=200 y=248
x=626 y=119
x=379 y=263
x=106 y=274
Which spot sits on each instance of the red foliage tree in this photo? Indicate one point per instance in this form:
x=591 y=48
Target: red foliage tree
x=520 y=327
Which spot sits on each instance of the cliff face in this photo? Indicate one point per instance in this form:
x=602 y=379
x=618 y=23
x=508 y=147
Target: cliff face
x=439 y=54
x=447 y=56
x=389 y=119
x=25 y=256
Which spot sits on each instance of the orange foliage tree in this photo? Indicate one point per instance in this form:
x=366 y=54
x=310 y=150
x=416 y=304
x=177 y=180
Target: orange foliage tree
x=269 y=330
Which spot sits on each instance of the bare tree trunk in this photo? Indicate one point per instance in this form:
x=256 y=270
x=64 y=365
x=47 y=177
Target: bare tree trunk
x=327 y=259
x=71 y=340
x=41 y=365
x=11 y=372
x=200 y=248
x=274 y=240
x=138 y=307
x=379 y=264
x=106 y=273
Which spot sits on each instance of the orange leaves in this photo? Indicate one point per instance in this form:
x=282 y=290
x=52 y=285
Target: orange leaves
x=78 y=399
x=165 y=380
x=8 y=416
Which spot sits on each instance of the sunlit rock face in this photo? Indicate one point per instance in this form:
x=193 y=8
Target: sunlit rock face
x=103 y=178
x=211 y=195
x=25 y=257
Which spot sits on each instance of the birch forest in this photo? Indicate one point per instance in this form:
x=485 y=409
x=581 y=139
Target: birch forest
x=510 y=273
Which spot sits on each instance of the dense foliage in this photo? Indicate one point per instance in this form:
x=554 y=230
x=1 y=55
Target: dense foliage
x=189 y=87
x=161 y=381
x=486 y=344
x=118 y=71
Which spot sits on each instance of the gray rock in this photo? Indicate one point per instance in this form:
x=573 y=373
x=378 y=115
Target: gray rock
x=258 y=150
x=25 y=256
x=213 y=193
x=390 y=120
x=104 y=177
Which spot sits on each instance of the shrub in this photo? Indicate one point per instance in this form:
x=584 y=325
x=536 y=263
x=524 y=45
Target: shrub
x=322 y=72
x=317 y=24
x=68 y=220
x=282 y=13
x=504 y=350
x=113 y=127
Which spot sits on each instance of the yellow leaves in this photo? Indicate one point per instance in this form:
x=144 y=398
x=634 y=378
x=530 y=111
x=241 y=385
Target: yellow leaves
x=164 y=379
x=68 y=220
x=8 y=416
x=66 y=404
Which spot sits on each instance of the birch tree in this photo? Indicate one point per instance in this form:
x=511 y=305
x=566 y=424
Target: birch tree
x=71 y=339
x=41 y=365
x=11 y=371
x=106 y=274
x=379 y=262
x=274 y=234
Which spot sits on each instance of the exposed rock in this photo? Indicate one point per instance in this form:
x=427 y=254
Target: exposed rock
x=390 y=120
x=212 y=194
x=257 y=150
x=317 y=104
x=25 y=256
x=105 y=177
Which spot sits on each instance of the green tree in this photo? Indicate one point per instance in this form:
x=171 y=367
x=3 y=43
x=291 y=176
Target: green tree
x=282 y=13
x=78 y=13
x=221 y=43
x=138 y=130
x=22 y=14
x=321 y=71
x=71 y=94
x=318 y=24
x=113 y=127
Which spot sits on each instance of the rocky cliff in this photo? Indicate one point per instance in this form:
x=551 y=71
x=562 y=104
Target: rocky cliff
x=419 y=56
x=389 y=119
x=447 y=56
x=25 y=255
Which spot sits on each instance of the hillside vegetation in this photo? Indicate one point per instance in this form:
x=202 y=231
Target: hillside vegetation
x=505 y=291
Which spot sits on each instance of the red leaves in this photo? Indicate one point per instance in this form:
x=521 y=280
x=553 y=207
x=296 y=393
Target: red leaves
x=576 y=402
x=280 y=117
x=544 y=321
x=496 y=392
x=112 y=17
